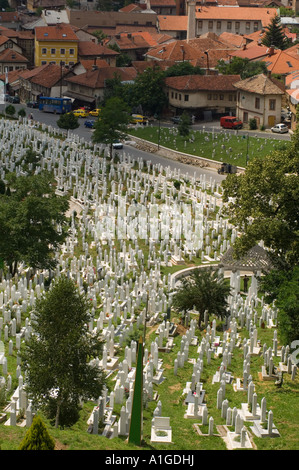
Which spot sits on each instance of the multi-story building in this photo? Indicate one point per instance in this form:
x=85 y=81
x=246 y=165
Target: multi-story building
x=55 y=45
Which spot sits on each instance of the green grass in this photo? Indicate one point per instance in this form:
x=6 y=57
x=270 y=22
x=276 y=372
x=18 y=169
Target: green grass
x=283 y=402
x=222 y=147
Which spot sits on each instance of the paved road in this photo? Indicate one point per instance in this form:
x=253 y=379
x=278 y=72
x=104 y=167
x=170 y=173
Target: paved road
x=51 y=119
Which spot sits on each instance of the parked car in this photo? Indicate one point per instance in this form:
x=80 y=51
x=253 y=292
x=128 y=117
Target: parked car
x=230 y=122
x=32 y=104
x=89 y=123
x=117 y=145
x=280 y=128
x=14 y=99
x=94 y=112
x=175 y=119
x=80 y=113
x=138 y=118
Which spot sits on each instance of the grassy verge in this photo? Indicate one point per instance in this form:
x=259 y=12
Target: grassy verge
x=222 y=146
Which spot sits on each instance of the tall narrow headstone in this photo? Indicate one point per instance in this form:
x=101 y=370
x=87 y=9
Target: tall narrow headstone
x=135 y=432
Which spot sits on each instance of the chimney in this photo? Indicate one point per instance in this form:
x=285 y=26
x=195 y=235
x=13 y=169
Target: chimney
x=271 y=51
x=191 y=25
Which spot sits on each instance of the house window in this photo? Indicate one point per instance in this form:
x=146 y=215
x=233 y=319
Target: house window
x=44 y=50
x=180 y=96
x=44 y=62
x=210 y=25
x=257 y=103
x=199 y=24
x=53 y=51
x=62 y=51
x=215 y=97
x=72 y=51
x=247 y=25
x=186 y=98
x=237 y=24
x=229 y=25
x=221 y=97
x=272 y=105
x=245 y=116
x=176 y=96
x=209 y=96
x=230 y=97
x=255 y=26
x=218 y=25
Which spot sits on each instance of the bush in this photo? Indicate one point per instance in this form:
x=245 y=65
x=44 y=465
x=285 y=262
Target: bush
x=10 y=110
x=37 y=437
x=252 y=124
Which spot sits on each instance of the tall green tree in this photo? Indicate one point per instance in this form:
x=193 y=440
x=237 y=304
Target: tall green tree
x=148 y=91
x=205 y=290
x=274 y=35
x=263 y=203
x=32 y=220
x=184 y=124
x=57 y=357
x=112 y=125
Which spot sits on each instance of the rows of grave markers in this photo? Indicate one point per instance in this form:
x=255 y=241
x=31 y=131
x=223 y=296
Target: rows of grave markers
x=123 y=209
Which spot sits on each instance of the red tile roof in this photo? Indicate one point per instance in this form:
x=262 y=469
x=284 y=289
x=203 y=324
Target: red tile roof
x=86 y=48
x=202 y=82
x=96 y=78
x=61 y=32
x=9 y=55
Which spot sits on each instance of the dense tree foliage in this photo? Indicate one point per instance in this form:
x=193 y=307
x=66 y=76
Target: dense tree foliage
x=274 y=35
x=112 y=125
x=205 y=290
x=32 y=220
x=56 y=358
x=243 y=67
x=263 y=203
x=68 y=121
x=183 y=68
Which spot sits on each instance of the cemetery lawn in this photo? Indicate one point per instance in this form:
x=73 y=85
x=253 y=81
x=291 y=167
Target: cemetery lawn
x=282 y=401
x=219 y=146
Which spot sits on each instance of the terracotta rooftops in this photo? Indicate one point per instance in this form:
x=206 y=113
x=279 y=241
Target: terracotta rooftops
x=261 y=84
x=96 y=78
x=60 y=32
x=202 y=82
x=86 y=48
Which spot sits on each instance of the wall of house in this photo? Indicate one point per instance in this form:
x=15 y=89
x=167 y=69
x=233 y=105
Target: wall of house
x=202 y=99
x=219 y=26
x=53 y=52
x=255 y=106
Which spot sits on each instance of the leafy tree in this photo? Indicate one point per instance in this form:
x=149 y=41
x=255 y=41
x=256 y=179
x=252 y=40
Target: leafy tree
x=68 y=121
x=32 y=220
x=99 y=35
x=112 y=125
x=57 y=357
x=184 y=124
x=205 y=290
x=282 y=286
x=243 y=67
x=10 y=110
x=265 y=204
x=37 y=437
x=183 y=68
x=22 y=113
x=274 y=35
x=148 y=91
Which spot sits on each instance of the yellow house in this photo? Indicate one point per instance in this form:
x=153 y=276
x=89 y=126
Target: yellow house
x=55 y=45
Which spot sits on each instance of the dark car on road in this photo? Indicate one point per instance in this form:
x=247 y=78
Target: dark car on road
x=32 y=104
x=14 y=99
x=89 y=123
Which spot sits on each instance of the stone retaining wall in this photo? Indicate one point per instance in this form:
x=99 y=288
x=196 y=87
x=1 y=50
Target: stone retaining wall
x=181 y=157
